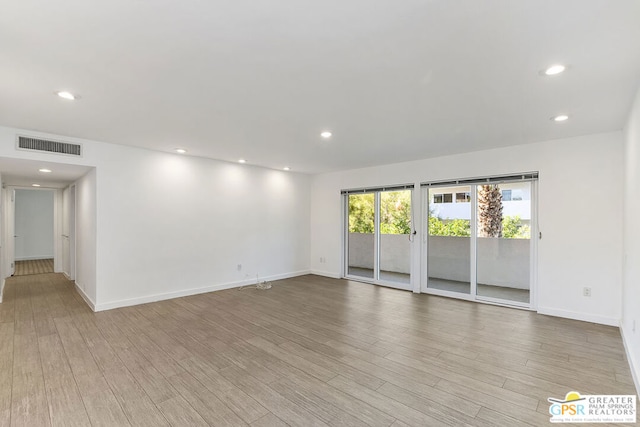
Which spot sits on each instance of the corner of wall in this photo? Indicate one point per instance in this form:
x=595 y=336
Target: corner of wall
x=326 y=274
x=630 y=300
x=85 y=297
x=634 y=366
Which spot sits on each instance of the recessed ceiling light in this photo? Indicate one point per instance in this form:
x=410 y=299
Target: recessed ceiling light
x=555 y=69
x=287 y=168
x=43 y=170
x=242 y=161
x=560 y=118
x=181 y=150
x=35 y=185
x=66 y=95
x=326 y=134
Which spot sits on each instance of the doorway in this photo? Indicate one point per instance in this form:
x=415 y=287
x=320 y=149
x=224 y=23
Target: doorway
x=34 y=234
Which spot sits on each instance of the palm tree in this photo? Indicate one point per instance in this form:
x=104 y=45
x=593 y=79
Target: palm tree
x=489 y=211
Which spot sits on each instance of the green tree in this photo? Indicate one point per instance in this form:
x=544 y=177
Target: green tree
x=512 y=228
x=395 y=212
x=361 y=213
x=453 y=228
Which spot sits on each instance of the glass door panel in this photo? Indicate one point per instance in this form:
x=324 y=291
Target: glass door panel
x=449 y=241
x=395 y=233
x=503 y=245
x=361 y=235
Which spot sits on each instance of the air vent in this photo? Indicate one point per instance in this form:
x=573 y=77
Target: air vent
x=49 y=146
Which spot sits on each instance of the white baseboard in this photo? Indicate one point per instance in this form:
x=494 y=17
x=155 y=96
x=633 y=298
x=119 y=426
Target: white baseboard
x=193 y=291
x=85 y=297
x=2 y=290
x=585 y=317
x=633 y=362
x=325 y=274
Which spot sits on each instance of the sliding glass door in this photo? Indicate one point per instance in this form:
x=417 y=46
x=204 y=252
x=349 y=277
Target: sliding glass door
x=394 y=237
x=503 y=242
x=478 y=245
x=449 y=239
x=378 y=236
x=361 y=238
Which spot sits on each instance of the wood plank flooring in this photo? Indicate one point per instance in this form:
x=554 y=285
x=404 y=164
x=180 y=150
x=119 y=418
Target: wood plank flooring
x=33 y=266
x=311 y=351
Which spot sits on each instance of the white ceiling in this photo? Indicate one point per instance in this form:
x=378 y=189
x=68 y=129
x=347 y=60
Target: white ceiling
x=393 y=80
x=24 y=173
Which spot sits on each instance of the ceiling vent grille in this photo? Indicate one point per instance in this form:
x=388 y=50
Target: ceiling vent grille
x=48 y=146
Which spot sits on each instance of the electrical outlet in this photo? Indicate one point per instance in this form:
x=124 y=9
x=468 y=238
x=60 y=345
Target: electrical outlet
x=239 y=267
x=586 y=292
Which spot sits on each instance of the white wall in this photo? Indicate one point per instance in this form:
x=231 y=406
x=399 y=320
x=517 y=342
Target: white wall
x=168 y=225
x=631 y=227
x=34 y=224
x=68 y=232
x=86 y=238
x=8 y=225
x=578 y=249
x=66 y=262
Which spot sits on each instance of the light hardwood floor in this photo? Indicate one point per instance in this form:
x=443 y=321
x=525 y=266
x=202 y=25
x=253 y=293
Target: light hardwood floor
x=34 y=266
x=311 y=351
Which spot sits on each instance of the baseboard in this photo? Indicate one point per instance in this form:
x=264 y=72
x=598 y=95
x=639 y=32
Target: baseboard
x=85 y=297
x=602 y=320
x=633 y=366
x=325 y=274
x=2 y=290
x=33 y=258
x=193 y=291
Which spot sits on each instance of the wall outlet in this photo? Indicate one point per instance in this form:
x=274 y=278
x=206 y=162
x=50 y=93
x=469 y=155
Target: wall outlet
x=586 y=292
x=322 y=260
x=239 y=267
